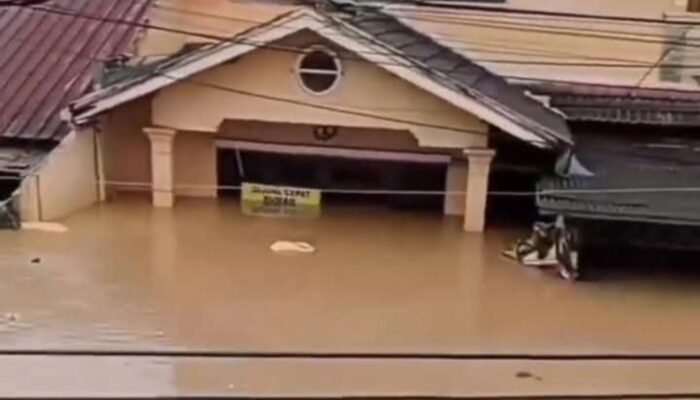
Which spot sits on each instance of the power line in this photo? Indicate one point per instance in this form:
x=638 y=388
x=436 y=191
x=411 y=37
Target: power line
x=550 y=31
x=468 y=20
x=328 y=108
x=269 y=97
x=599 y=26
x=263 y=96
x=274 y=98
x=520 y=11
x=618 y=64
x=453 y=38
x=370 y=356
x=317 y=106
x=298 y=50
x=651 y=69
x=419 y=396
x=612 y=63
x=148 y=186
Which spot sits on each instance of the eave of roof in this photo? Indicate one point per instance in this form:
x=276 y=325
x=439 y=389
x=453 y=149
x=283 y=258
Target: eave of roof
x=463 y=84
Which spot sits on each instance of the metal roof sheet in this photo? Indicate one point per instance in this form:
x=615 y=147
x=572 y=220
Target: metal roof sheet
x=48 y=60
x=637 y=178
x=471 y=78
x=580 y=102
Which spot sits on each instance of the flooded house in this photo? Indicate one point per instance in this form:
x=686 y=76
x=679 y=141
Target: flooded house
x=633 y=178
x=364 y=103
x=328 y=99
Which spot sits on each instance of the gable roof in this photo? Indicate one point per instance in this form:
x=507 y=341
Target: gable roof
x=375 y=37
x=456 y=71
x=46 y=61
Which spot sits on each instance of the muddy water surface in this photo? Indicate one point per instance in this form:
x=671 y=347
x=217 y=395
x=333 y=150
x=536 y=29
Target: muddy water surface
x=202 y=277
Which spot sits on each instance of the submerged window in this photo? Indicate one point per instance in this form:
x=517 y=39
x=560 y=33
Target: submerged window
x=318 y=70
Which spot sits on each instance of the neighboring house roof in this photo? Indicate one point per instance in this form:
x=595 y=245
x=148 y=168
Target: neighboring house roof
x=47 y=61
x=639 y=178
x=16 y=159
x=598 y=103
x=376 y=37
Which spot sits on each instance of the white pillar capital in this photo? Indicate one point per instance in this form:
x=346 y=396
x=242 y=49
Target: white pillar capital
x=477 y=188
x=160 y=136
x=480 y=158
x=162 y=165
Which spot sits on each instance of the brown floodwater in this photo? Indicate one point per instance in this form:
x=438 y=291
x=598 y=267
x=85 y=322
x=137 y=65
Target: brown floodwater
x=202 y=277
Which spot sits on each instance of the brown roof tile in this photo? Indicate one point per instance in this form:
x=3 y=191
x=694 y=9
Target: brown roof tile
x=48 y=60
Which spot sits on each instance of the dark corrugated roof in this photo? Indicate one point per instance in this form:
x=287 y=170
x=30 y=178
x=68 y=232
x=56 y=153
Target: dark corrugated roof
x=472 y=79
x=46 y=60
x=623 y=165
x=580 y=102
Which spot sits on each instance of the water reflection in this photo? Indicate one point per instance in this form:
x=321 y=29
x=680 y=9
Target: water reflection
x=202 y=277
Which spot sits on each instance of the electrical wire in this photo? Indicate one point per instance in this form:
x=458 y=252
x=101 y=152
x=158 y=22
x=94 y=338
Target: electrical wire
x=370 y=396
x=347 y=111
x=298 y=50
x=605 y=61
x=559 y=357
x=554 y=23
x=572 y=15
x=309 y=104
x=149 y=187
x=455 y=39
x=329 y=108
x=378 y=356
x=651 y=69
x=268 y=97
x=549 y=31
x=610 y=63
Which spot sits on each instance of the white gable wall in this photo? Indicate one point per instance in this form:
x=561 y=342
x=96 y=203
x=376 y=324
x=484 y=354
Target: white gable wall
x=364 y=88
x=65 y=182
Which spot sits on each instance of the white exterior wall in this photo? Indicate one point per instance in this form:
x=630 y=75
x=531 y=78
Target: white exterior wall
x=530 y=46
x=456 y=185
x=66 y=181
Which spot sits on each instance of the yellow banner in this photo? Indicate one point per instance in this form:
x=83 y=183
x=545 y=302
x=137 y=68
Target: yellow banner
x=282 y=201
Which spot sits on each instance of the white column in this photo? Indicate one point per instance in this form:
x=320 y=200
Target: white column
x=456 y=187
x=162 y=165
x=100 y=163
x=477 y=189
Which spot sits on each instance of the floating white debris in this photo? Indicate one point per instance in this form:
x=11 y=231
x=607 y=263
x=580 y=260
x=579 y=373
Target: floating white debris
x=12 y=317
x=51 y=227
x=295 y=247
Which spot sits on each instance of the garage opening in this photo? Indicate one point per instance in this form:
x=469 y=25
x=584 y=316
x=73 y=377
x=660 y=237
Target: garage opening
x=517 y=168
x=337 y=169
